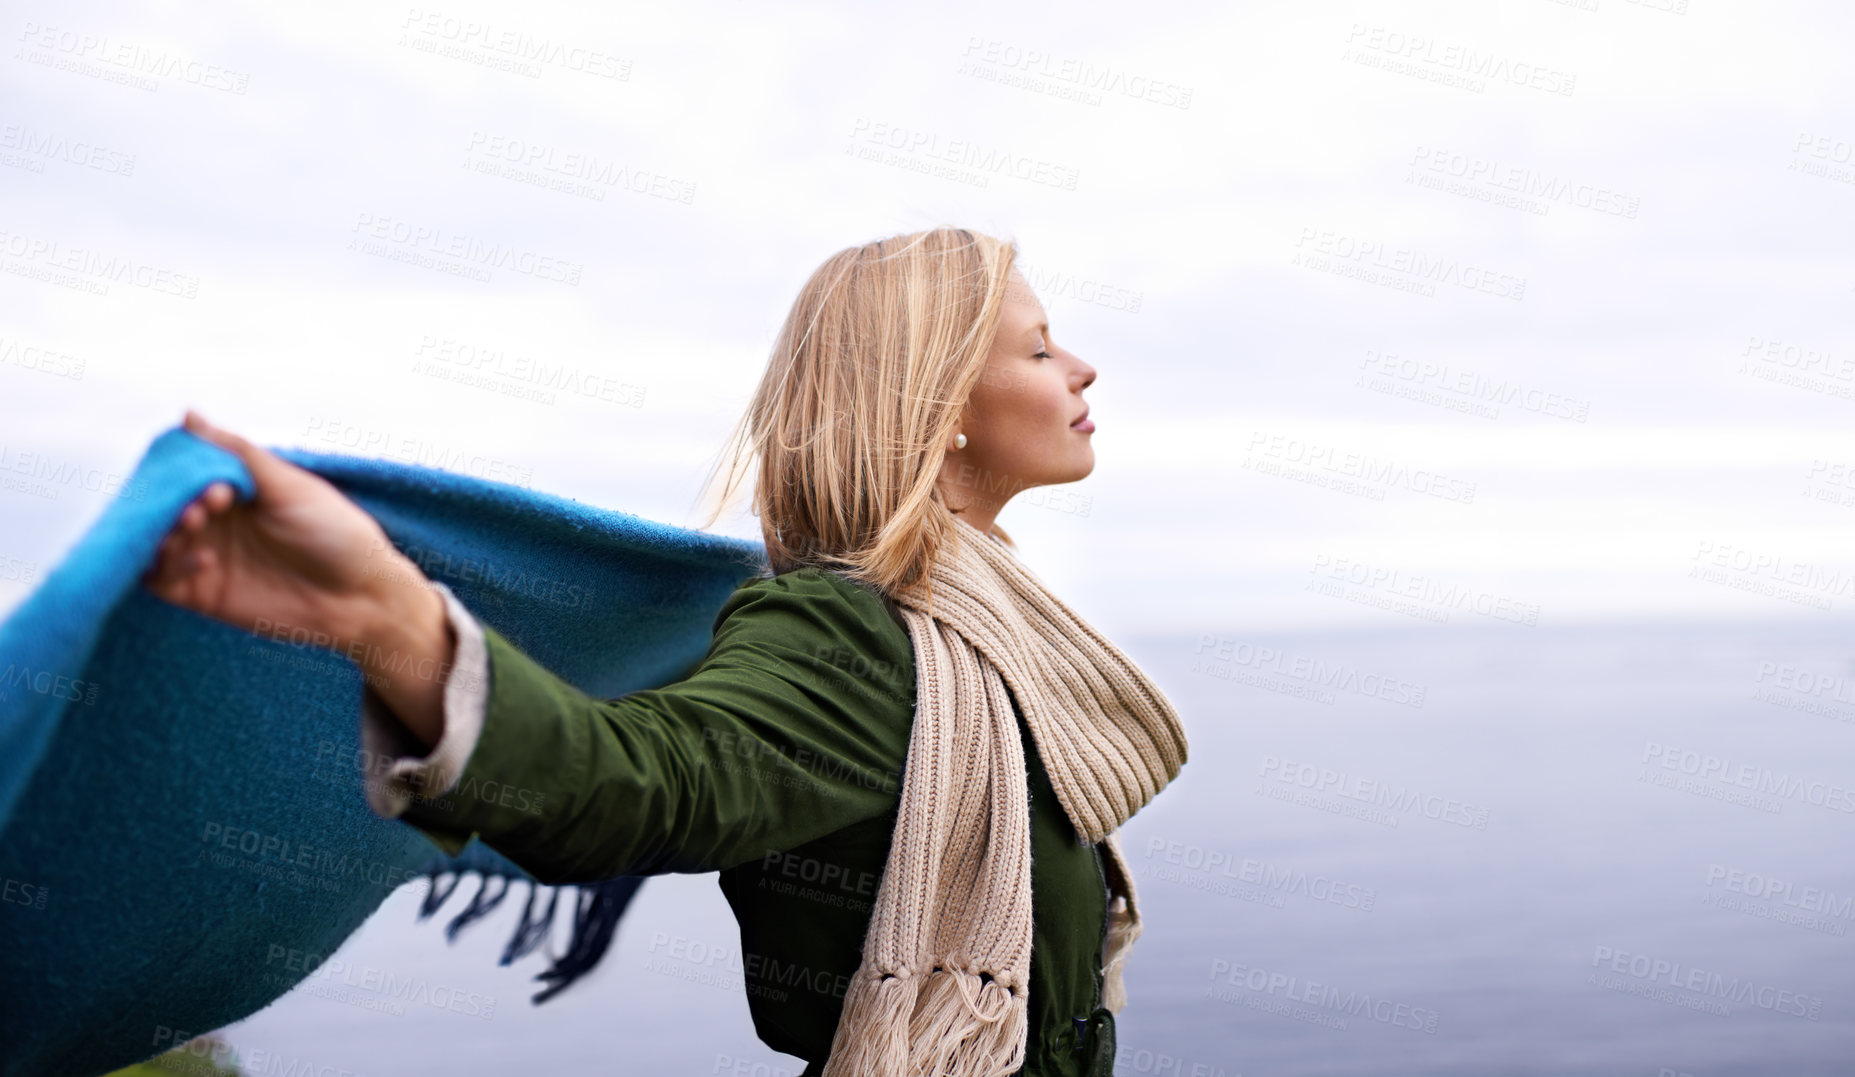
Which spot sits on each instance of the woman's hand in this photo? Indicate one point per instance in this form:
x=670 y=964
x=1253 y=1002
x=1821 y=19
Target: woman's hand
x=301 y=562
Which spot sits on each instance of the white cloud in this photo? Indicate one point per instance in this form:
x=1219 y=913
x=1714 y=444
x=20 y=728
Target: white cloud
x=1703 y=119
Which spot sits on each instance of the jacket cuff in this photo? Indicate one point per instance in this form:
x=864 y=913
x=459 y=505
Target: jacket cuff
x=395 y=772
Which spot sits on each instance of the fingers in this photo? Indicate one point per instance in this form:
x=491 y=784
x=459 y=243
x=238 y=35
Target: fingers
x=184 y=563
x=265 y=468
x=198 y=562
x=185 y=551
x=164 y=572
x=195 y=515
x=197 y=425
x=215 y=500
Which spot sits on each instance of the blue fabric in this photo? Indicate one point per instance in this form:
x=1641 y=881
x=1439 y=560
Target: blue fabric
x=182 y=824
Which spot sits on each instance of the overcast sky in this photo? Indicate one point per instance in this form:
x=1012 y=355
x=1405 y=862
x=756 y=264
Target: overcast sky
x=1499 y=311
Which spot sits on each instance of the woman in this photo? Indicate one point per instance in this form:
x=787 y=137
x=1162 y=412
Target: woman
x=903 y=755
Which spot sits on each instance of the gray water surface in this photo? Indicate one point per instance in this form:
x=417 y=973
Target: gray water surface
x=1616 y=850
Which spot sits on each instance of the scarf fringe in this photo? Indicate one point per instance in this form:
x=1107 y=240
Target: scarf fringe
x=1124 y=925
x=595 y=920
x=948 y=1022
x=1123 y=930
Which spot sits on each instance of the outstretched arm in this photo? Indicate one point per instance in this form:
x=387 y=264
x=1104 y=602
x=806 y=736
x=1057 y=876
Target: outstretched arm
x=794 y=725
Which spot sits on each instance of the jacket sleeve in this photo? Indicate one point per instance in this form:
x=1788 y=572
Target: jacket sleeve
x=393 y=773
x=794 y=725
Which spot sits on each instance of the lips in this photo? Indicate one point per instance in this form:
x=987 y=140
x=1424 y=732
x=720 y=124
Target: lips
x=1079 y=418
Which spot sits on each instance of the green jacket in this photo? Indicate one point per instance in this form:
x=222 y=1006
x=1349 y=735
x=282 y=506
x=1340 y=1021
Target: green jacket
x=778 y=763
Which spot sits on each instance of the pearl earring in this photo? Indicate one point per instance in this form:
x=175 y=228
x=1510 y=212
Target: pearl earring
x=959 y=441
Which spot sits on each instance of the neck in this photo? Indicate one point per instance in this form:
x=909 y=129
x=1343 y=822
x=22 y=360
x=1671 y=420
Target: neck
x=983 y=526
x=978 y=519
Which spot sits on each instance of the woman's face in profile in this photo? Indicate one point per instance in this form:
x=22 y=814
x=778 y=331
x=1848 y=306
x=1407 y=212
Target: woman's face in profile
x=1021 y=420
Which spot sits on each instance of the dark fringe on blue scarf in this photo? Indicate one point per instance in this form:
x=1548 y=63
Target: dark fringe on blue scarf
x=595 y=921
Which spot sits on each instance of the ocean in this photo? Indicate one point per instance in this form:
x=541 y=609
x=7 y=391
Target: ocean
x=1438 y=850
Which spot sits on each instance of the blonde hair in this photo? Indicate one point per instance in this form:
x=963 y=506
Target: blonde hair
x=862 y=392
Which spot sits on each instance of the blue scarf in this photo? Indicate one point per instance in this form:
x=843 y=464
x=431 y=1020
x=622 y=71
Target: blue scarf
x=183 y=832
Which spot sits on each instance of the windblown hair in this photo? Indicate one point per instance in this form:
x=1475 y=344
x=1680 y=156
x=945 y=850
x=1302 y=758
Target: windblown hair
x=863 y=390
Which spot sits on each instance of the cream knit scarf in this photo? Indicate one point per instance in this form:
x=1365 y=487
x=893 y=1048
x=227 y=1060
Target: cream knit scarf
x=945 y=974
